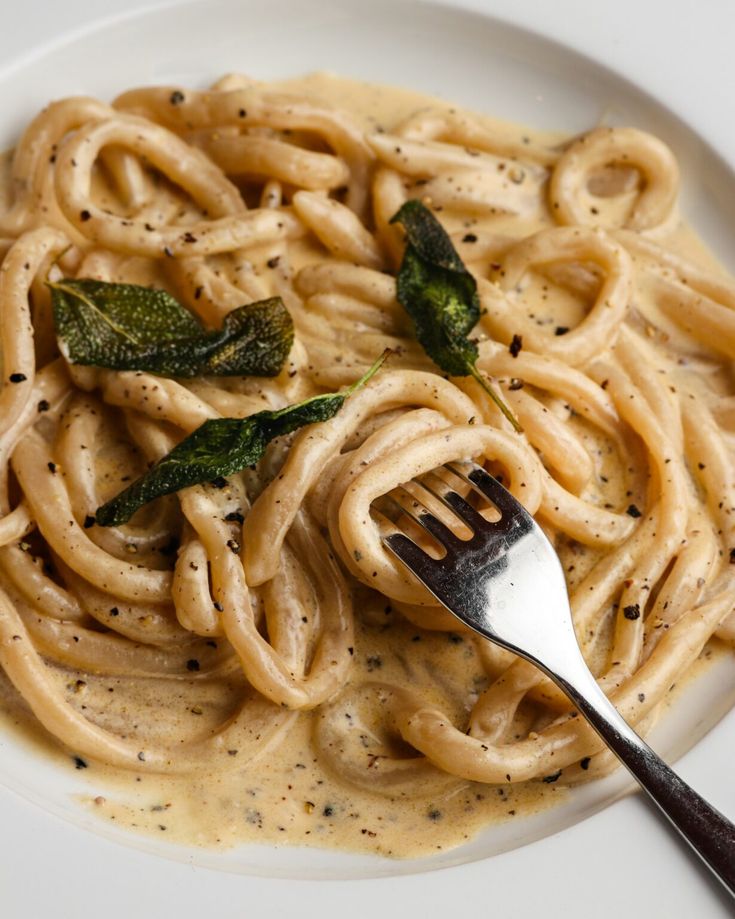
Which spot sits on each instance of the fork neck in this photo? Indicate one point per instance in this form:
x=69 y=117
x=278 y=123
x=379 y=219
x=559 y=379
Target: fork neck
x=573 y=676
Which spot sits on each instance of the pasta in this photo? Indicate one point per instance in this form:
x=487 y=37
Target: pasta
x=254 y=630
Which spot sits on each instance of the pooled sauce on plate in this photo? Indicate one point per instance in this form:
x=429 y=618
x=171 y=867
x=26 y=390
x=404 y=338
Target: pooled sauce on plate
x=286 y=795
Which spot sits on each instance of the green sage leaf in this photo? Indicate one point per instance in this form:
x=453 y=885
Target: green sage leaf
x=222 y=447
x=440 y=295
x=129 y=327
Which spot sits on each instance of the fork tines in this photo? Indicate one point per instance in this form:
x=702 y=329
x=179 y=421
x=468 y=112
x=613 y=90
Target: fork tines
x=415 y=500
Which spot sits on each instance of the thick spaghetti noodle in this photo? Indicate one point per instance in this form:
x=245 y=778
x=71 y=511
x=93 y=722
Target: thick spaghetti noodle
x=266 y=604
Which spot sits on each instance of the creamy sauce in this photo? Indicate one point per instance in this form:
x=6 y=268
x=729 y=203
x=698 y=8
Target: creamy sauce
x=286 y=795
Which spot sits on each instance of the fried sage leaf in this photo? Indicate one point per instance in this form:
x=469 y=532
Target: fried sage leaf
x=440 y=295
x=222 y=447
x=129 y=327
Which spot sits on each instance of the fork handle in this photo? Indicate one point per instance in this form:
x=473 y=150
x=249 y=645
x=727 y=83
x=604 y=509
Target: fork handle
x=708 y=832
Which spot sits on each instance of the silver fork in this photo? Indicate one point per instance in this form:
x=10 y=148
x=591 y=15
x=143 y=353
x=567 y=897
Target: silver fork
x=506 y=583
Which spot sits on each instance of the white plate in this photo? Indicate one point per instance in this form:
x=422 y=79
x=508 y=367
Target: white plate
x=598 y=867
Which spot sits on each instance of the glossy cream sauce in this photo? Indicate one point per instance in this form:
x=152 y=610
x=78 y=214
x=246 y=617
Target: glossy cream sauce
x=286 y=795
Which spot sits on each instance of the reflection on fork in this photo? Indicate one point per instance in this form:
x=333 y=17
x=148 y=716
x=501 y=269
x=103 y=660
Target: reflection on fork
x=502 y=578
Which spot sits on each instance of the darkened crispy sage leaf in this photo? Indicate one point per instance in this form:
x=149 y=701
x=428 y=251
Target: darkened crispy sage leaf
x=221 y=447
x=440 y=295
x=129 y=327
